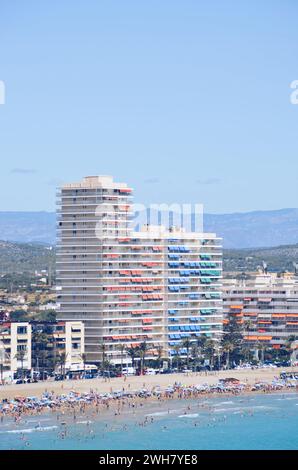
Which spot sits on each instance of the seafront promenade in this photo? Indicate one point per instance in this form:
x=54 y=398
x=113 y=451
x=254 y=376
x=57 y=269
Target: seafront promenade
x=100 y=385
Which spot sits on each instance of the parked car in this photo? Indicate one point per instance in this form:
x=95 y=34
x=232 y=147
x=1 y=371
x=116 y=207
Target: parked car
x=167 y=371
x=21 y=381
x=59 y=377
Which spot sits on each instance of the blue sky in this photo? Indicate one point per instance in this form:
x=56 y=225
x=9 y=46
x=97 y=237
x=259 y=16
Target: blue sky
x=187 y=101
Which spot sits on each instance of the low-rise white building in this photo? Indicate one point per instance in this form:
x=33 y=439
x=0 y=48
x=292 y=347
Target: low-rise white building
x=69 y=339
x=15 y=348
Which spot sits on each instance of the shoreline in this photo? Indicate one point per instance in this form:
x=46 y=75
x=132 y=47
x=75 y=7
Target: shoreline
x=130 y=408
x=68 y=400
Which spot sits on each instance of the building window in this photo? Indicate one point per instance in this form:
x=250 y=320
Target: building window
x=21 y=330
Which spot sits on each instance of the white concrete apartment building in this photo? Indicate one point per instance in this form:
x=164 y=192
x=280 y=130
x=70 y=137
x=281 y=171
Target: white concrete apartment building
x=15 y=347
x=156 y=285
x=70 y=339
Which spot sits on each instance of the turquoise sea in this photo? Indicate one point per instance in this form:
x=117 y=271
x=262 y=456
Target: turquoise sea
x=241 y=422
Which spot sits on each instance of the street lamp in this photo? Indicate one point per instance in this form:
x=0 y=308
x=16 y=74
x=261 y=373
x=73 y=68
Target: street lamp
x=2 y=358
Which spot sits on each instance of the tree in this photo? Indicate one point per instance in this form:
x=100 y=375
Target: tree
x=177 y=355
x=103 y=351
x=289 y=345
x=217 y=352
x=47 y=316
x=248 y=326
x=186 y=343
x=195 y=355
x=18 y=315
x=84 y=360
x=42 y=347
x=61 y=360
x=121 y=348
x=209 y=351
x=227 y=348
x=41 y=361
x=159 y=354
x=2 y=360
x=261 y=347
x=20 y=356
x=232 y=339
x=201 y=341
x=142 y=352
x=246 y=350
x=132 y=352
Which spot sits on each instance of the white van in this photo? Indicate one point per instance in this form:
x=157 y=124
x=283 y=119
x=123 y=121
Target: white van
x=128 y=371
x=150 y=372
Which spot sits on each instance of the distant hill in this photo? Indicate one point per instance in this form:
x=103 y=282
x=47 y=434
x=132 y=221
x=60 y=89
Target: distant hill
x=28 y=257
x=25 y=257
x=28 y=227
x=255 y=229
x=239 y=230
x=278 y=259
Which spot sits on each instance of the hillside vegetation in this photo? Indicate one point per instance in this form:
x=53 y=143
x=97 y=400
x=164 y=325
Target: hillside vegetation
x=25 y=257
x=30 y=257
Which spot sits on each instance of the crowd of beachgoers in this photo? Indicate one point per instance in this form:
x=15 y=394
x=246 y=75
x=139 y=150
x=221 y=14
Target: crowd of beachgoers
x=78 y=402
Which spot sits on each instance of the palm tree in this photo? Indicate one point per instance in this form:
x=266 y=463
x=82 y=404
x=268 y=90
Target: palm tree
x=186 y=343
x=195 y=355
x=142 y=351
x=209 y=351
x=159 y=354
x=290 y=344
x=227 y=347
x=103 y=351
x=177 y=350
x=20 y=356
x=121 y=348
x=42 y=360
x=132 y=352
x=2 y=360
x=61 y=360
x=247 y=326
x=84 y=360
x=232 y=339
x=217 y=352
x=263 y=349
x=246 y=352
x=201 y=341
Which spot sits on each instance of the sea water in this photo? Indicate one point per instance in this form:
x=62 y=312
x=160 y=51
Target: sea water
x=268 y=421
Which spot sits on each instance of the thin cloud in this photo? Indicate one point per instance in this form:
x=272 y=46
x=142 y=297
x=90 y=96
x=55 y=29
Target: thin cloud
x=208 y=181
x=153 y=180
x=23 y=171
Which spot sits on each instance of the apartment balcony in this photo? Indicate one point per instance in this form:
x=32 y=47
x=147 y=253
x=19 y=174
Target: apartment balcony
x=92 y=210
x=74 y=258
x=94 y=201
x=82 y=226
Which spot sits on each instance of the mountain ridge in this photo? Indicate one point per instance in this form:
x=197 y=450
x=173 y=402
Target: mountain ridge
x=254 y=229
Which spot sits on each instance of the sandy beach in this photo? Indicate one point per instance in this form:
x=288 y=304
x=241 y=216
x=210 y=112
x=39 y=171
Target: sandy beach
x=136 y=382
